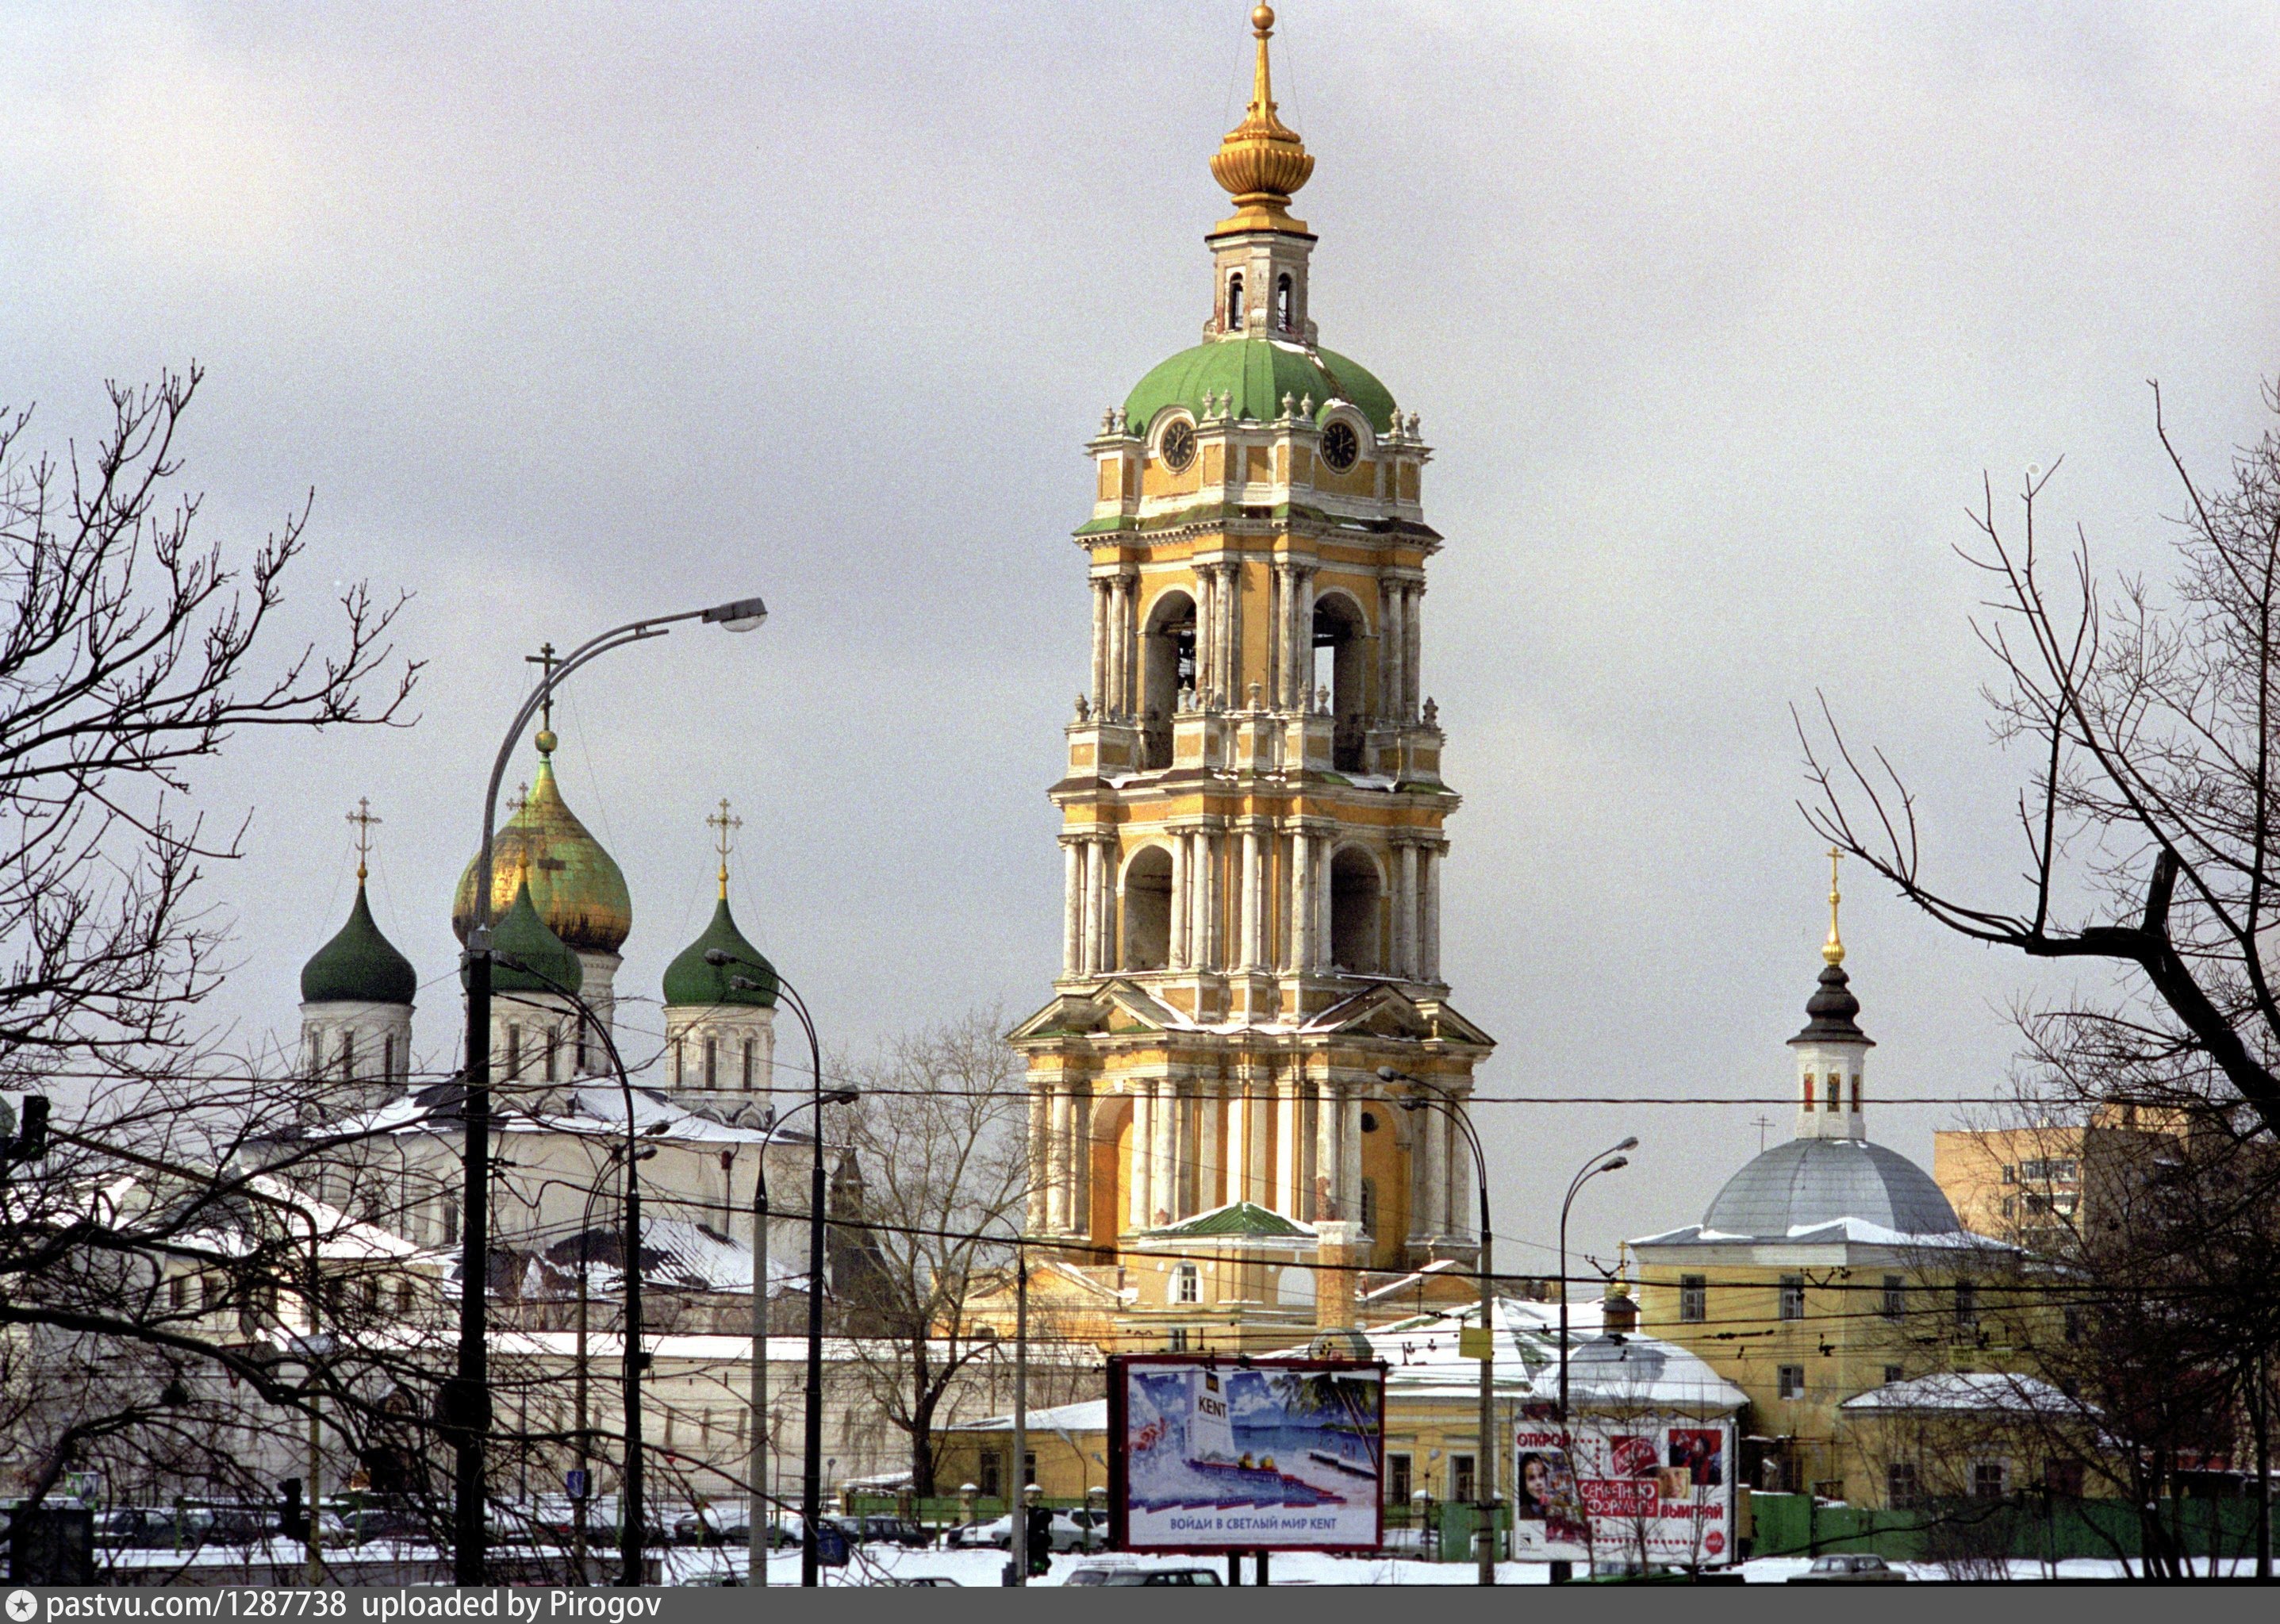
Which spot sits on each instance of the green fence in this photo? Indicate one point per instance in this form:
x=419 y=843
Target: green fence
x=2027 y=1529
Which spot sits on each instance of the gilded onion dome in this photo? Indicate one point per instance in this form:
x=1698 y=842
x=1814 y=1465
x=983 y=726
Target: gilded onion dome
x=575 y=886
x=1261 y=160
x=359 y=965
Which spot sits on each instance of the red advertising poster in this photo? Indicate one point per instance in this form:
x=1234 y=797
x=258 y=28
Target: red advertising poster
x=1651 y=1492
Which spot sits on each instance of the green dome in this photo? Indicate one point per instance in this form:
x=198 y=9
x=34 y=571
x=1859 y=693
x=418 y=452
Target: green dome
x=359 y=966
x=689 y=979
x=1257 y=372
x=523 y=937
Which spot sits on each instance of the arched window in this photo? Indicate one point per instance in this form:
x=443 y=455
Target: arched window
x=1285 y=304
x=553 y=1052
x=1355 y=892
x=678 y=1075
x=1342 y=647
x=388 y=1057
x=1369 y=1206
x=1167 y=665
x=513 y=1049
x=1234 y=302
x=348 y=1055
x=711 y=1061
x=752 y=1054
x=1148 y=909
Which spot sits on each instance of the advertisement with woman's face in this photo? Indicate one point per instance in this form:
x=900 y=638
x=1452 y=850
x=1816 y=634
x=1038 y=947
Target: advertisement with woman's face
x=1645 y=1490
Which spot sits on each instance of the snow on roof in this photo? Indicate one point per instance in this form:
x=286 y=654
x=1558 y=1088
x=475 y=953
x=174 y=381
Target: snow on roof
x=595 y=1112
x=676 y=1255
x=1836 y=1232
x=1087 y=1415
x=1967 y=1390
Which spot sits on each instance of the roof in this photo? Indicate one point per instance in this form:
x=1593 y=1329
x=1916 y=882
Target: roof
x=676 y=1255
x=359 y=965
x=1829 y=1013
x=1807 y=1183
x=1957 y=1391
x=1087 y=1415
x=527 y=957
x=691 y=979
x=1238 y=1217
x=577 y=886
x=1257 y=374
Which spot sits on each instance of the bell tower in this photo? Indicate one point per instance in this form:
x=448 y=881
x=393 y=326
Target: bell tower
x=1253 y=810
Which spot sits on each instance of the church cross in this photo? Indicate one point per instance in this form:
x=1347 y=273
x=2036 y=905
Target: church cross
x=724 y=829
x=1763 y=1123
x=546 y=661
x=365 y=823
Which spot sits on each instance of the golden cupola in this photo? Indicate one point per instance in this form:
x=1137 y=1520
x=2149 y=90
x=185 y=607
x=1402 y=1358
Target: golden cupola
x=1261 y=160
x=575 y=886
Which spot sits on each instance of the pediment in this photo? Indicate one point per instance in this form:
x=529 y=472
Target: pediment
x=1388 y=1012
x=1116 y=1006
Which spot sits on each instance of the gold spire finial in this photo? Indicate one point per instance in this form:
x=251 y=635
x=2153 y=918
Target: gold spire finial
x=724 y=829
x=1261 y=160
x=1833 y=949
x=545 y=660
x=364 y=821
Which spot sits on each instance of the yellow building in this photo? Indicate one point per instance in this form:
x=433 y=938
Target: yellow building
x=1253 y=817
x=1828 y=1267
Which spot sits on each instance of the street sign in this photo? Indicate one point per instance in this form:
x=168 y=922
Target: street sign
x=1475 y=1342
x=579 y=1481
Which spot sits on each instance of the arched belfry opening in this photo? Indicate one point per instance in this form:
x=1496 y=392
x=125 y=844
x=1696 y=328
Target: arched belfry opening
x=1286 y=305
x=1234 y=302
x=1148 y=909
x=1167 y=664
x=1341 y=667
x=1356 y=887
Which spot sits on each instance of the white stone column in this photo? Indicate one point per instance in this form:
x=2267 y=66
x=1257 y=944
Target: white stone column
x=1204 y=675
x=1090 y=860
x=1278 y=639
x=1288 y=1162
x=1429 y=952
x=1210 y=1159
x=1350 y=1155
x=1306 y=639
x=1457 y=1161
x=1324 y=956
x=1214 y=949
x=1057 y=1162
x=1230 y=621
x=1393 y=623
x=1073 y=907
x=1329 y=1175
x=1254 y=889
x=1433 y=1145
x=1163 y=1175
x=1080 y=1158
x=1302 y=902
x=1099 y=645
x=1111 y=919
x=1175 y=952
x=1238 y=1146
x=1034 y=1221
x=1405 y=911
x=1142 y=1191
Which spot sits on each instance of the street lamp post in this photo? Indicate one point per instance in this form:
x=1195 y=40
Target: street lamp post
x=756 y=1530
x=1608 y=1160
x=811 y=1484
x=466 y=1396
x=1429 y=1097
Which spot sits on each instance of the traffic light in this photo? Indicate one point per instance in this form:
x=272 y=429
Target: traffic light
x=291 y=1518
x=1040 y=1540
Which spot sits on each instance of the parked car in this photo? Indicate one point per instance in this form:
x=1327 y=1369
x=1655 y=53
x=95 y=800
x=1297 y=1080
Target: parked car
x=928 y=1582
x=1849 y=1570
x=136 y=1528
x=1142 y=1575
x=701 y=1527
x=399 y=1524
x=1072 y=1531
x=876 y=1529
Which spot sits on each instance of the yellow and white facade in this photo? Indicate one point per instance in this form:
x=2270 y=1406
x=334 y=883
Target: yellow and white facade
x=1253 y=813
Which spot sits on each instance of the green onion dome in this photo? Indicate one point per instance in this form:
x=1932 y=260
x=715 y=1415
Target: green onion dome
x=1257 y=374
x=359 y=965
x=690 y=980
x=577 y=887
x=523 y=937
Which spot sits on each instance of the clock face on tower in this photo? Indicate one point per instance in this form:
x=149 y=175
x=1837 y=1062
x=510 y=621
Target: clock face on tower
x=1179 y=447
x=1340 y=446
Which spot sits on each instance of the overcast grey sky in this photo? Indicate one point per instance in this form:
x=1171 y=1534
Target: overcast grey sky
x=1715 y=315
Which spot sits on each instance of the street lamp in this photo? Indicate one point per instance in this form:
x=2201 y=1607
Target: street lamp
x=810 y=1484
x=466 y=1402
x=1429 y=1097
x=755 y=1529
x=1608 y=1160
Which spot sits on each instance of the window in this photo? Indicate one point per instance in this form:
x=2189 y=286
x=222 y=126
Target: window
x=177 y=1292
x=1286 y=315
x=992 y=1475
x=1989 y=1480
x=1187 y=1283
x=1966 y=1308
x=1693 y=1299
x=1369 y=1204
x=678 y=1077
x=1461 y=1478
x=451 y=1221
x=1856 y=1096
x=513 y=1049
x=1234 y=302
x=388 y=1057
x=1792 y=1378
x=2010 y=1173
x=711 y=1061
x=1176 y=1339
x=1896 y=1297
x=1894 y=1373
x=2010 y=1206
x=348 y=1056
x=553 y=1054
x=404 y=1296
x=1903 y=1491
x=752 y=1054
x=1792 y=1297
x=2049 y=1171
x=1397 y=1488
x=2074 y=1325
x=1029 y=1468
x=2063 y=1478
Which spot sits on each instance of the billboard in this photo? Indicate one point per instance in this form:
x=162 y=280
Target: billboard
x=1228 y=1454
x=1646 y=1489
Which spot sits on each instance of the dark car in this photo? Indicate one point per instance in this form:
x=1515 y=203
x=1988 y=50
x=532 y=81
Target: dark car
x=882 y=1530
x=237 y=1525
x=136 y=1528
x=1142 y=1575
x=1849 y=1570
